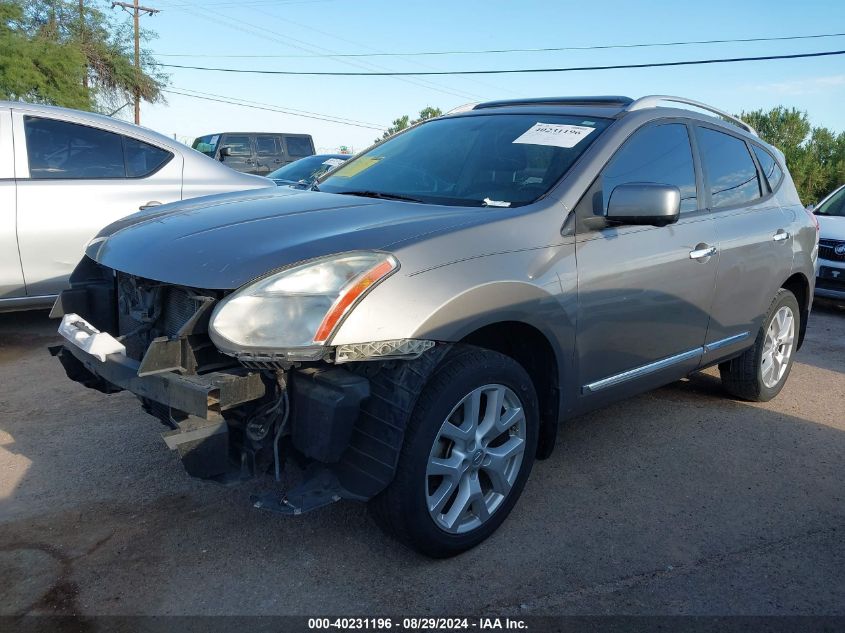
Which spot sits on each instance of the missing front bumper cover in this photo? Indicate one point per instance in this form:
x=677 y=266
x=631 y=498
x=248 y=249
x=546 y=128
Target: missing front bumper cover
x=204 y=396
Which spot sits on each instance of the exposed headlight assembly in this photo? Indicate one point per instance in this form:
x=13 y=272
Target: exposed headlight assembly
x=291 y=314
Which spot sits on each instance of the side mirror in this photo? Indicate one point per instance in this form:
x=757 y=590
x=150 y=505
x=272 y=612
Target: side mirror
x=644 y=203
x=224 y=152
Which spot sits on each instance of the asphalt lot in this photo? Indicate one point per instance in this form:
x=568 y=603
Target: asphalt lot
x=680 y=501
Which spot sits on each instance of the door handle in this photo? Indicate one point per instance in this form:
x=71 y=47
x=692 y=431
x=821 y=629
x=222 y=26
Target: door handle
x=702 y=251
x=780 y=235
x=151 y=203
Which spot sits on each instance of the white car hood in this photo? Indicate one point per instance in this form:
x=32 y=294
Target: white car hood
x=832 y=227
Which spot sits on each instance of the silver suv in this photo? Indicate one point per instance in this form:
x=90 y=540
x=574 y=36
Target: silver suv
x=413 y=330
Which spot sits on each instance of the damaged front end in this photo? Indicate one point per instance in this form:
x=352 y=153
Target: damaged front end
x=229 y=420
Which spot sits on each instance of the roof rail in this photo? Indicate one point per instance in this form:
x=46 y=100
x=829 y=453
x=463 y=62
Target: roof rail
x=651 y=101
x=604 y=100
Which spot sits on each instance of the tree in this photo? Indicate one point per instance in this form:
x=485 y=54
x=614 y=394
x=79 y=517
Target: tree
x=71 y=53
x=815 y=156
x=404 y=122
x=38 y=69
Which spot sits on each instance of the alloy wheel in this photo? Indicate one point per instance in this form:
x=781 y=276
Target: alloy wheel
x=777 y=347
x=476 y=458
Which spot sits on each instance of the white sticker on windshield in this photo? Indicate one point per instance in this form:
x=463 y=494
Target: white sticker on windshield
x=214 y=139
x=554 y=134
x=334 y=162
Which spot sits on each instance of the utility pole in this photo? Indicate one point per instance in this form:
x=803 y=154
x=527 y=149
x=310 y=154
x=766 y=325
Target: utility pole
x=82 y=40
x=136 y=11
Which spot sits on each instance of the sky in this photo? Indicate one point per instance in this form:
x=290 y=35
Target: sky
x=227 y=33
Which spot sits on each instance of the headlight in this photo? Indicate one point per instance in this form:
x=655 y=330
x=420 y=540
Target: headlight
x=298 y=307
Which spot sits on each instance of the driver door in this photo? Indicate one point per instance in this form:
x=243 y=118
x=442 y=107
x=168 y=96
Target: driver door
x=643 y=300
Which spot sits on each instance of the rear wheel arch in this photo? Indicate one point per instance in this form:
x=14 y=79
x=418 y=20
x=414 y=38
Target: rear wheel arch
x=799 y=285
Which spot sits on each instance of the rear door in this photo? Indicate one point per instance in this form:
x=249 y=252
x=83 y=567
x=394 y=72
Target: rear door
x=241 y=155
x=269 y=153
x=298 y=146
x=74 y=179
x=643 y=292
x=755 y=253
x=11 y=276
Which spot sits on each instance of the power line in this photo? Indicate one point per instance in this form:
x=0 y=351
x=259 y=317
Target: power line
x=516 y=50
x=286 y=40
x=289 y=110
x=694 y=62
x=314 y=115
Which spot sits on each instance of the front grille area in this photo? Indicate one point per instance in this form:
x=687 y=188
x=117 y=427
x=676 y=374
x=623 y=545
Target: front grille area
x=827 y=250
x=148 y=310
x=831 y=284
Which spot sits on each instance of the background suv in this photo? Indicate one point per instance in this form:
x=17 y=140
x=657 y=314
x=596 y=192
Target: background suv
x=830 y=213
x=254 y=152
x=416 y=326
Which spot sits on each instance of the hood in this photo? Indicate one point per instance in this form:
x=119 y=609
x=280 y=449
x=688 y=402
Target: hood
x=832 y=227
x=224 y=241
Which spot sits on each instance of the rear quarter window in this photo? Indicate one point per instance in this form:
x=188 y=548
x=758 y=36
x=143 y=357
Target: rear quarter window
x=771 y=170
x=299 y=146
x=143 y=159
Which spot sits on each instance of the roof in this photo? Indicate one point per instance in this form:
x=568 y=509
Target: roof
x=604 y=105
x=94 y=119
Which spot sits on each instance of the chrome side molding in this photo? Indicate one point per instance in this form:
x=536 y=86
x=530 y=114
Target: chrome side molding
x=736 y=338
x=644 y=370
x=663 y=363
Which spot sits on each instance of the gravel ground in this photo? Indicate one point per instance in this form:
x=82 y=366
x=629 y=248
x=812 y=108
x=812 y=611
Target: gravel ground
x=680 y=501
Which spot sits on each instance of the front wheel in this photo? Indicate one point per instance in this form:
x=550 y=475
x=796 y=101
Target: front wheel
x=761 y=371
x=469 y=447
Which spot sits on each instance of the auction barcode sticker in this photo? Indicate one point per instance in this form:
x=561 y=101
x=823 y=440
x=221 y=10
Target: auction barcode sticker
x=554 y=134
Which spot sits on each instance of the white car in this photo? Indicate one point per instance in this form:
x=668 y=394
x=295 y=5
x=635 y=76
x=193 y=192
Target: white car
x=830 y=212
x=65 y=174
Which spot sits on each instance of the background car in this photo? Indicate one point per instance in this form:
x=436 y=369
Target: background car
x=255 y=152
x=65 y=174
x=305 y=171
x=830 y=213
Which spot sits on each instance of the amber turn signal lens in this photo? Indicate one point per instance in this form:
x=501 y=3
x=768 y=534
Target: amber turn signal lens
x=348 y=297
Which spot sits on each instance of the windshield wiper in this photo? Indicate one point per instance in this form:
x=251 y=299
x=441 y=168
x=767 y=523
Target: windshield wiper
x=378 y=194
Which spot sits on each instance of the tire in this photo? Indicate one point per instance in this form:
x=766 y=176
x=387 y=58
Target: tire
x=746 y=376
x=477 y=470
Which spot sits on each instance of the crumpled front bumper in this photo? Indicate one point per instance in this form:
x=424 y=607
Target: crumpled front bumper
x=201 y=435
x=204 y=396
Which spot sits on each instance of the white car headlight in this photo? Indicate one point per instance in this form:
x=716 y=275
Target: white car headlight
x=297 y=308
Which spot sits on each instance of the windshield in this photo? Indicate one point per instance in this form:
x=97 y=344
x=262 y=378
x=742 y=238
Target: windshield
x=503 y=160
x=307 y=169
x=835 y=205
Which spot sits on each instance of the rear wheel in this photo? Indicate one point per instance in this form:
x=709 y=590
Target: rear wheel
x=468 y=450
x=761 y=371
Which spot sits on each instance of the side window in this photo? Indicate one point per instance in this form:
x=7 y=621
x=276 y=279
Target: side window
x=142 y=159
x=206 y=144
x=299 y=146
x=58 y=149
x=658 y=154
x=238 y=145
x=730 y=170
x=770 y=167
x=267 y=145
